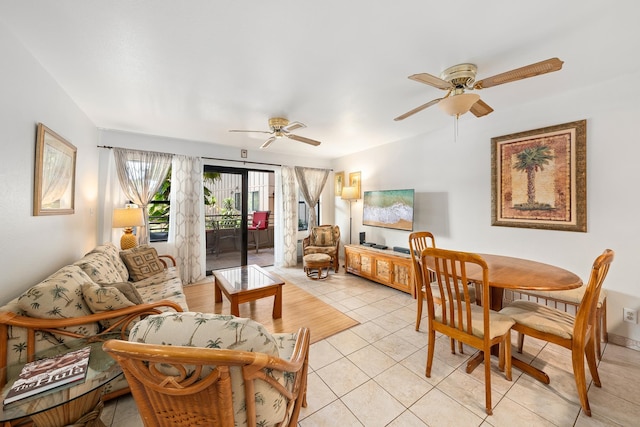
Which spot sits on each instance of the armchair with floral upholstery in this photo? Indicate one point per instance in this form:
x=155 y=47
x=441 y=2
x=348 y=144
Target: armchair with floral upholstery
x=324 y=239
x=187 y=369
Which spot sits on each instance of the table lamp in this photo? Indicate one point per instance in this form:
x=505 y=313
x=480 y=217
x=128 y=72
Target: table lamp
x=350 y=194
x=128 y=218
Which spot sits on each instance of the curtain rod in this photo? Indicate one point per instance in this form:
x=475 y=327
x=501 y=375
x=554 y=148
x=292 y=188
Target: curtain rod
x=214 y=158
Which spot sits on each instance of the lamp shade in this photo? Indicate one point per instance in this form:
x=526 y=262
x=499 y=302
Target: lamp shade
x=350 y=193
x=457 y=105
x=127 y=217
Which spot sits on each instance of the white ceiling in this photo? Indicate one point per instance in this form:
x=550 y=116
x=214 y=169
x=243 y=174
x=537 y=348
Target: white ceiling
x=194 y=69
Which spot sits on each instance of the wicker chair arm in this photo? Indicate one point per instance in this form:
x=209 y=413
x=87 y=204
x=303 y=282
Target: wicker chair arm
x=13 y=319
x=168 y=257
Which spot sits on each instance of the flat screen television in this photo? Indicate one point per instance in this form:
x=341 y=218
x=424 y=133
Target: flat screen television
x=389 y=209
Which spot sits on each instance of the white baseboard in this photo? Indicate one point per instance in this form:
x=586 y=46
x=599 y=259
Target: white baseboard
x=624 y=341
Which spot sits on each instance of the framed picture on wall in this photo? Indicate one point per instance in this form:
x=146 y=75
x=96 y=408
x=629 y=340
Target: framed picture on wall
x=338 y=180
x=539 y=178
x=354 y=181
x=55 y=174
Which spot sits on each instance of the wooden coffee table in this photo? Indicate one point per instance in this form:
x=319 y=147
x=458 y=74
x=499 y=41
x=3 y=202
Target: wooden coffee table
x=248 y=283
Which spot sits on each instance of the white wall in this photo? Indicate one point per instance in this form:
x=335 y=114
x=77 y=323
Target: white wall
x=35 y=246
x=453 y=188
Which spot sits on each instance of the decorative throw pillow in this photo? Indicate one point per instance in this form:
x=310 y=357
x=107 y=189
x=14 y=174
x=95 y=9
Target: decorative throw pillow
x=142 y=262
x=99 y=267
x=114 y=255
x=128 y=290
x=322 y=236
x=104 y=298
x=59 y=296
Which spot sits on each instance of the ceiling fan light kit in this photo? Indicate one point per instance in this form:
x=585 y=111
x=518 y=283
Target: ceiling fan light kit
x=462 y=77
x=458 y=105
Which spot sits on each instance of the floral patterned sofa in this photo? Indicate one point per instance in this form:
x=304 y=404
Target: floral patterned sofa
x=104 y=293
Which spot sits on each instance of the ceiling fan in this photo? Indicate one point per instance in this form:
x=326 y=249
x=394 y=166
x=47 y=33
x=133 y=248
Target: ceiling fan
x=282 y=127
x=459 y=78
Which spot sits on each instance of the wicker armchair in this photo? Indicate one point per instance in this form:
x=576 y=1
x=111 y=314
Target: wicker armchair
x=324 y=239
x=177 y=381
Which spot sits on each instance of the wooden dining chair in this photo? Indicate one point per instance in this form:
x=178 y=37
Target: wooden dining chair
x=419 y=241
x=576 y=333
x=459 y=317
x=570 y=300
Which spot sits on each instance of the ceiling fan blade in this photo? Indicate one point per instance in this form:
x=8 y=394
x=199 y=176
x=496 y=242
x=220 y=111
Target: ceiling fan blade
x=293 y=126
x=303 y=139
x=268 y=142
x=532 y=70
x=432 y=81
x=257 y=131
x=480 y=108
x=418 y=109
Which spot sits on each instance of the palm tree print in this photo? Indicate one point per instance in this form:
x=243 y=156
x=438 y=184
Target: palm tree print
x=239 y=328
x=289 y=378
x=60 y=292
x=199 y=322
x=277 y=404
x=19 y=348
x=100 y=293
x=214 y=344
x=151 y=322
x=33 y=293
x=55 y=311
x=530 y=161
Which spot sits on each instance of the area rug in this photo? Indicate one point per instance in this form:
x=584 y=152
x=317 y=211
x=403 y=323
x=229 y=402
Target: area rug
x=299 y=308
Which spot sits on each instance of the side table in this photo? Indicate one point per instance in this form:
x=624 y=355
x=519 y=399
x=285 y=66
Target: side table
x=74 y=404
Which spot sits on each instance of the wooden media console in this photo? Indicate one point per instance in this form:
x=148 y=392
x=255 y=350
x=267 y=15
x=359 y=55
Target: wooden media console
x=384 y=266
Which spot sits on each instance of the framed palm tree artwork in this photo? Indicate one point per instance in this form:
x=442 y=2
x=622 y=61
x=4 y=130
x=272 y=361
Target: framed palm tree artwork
x=539 y=178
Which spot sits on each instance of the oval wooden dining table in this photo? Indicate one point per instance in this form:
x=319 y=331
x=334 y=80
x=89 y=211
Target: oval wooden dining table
x=519 y=274
x=507 y=272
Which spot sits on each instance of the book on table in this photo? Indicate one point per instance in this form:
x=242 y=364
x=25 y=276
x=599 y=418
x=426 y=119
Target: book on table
x=46 y=374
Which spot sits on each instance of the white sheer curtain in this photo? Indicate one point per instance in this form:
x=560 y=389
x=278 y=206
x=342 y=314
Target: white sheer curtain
x=311 y=182
x=287 y=214
x=112 y=197
x=186 y=229
x=141 y=173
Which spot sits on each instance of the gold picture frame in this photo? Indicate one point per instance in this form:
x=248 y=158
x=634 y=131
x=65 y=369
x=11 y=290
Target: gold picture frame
x=354 y=181
x=539 y=178
x=55 y=174
x=338 y=182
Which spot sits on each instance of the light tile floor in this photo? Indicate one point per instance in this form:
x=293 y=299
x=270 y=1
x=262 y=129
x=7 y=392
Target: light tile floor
x=373 y=374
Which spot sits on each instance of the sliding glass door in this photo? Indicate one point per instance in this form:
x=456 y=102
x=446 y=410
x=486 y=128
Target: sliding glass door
x=232 y=198
x=225 y=217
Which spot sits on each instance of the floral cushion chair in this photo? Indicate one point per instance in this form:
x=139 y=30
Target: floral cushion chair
x=324 y=239
x=190 y=368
